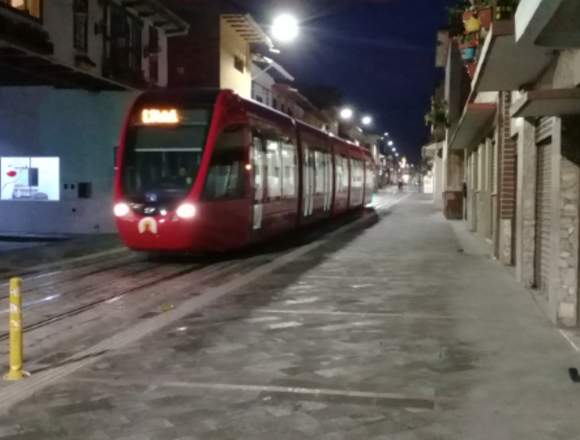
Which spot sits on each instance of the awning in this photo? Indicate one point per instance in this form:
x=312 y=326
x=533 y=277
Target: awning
x=550 y=102
x=505 y=65
x=477 y=117
x=248 y=29
x=429 y=151
x=159 y=15
x=550 y=23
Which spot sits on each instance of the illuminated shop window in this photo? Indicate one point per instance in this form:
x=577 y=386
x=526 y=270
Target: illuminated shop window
x=30 y=178
x=30 y=7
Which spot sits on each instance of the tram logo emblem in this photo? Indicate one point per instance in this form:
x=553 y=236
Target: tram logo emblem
x=147 y=224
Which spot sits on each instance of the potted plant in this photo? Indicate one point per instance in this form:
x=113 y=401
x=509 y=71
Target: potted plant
x=437 y=116
x=483 y=10
x=468 y=46
x=455 y=14
x=505 y=9
x=471 y=22
x=471 y=68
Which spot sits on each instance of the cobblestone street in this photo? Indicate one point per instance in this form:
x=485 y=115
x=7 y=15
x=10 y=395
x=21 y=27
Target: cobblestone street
x=395 y=331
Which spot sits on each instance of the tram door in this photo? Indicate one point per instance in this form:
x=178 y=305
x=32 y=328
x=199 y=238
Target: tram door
x=258 y=165
x=309 y=182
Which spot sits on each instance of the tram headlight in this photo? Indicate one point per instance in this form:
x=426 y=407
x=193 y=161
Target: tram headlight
x=121 y=209
x=186 y=211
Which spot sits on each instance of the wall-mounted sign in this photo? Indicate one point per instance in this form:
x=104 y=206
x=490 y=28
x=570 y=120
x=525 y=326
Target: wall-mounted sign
x=30 y=178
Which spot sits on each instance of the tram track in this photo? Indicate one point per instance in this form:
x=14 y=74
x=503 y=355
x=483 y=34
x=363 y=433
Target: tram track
x=75 y=270
x=84 y=307
x=206 y=272
x=86 y=282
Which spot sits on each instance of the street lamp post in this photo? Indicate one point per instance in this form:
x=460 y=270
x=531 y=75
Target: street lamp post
x=346 y=114
x=285 y=28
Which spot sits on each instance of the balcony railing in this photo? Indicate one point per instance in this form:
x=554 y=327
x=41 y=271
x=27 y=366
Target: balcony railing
x=470 y=25
x=28 y=35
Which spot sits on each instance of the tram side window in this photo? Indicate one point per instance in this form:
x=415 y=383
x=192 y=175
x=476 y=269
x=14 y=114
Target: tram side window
x=357 y=174
x=342 y=174
x=225 y=178
x=319 y=164
x=338 y=172
x=273 y=155
x=289 y=164
x=370 y=176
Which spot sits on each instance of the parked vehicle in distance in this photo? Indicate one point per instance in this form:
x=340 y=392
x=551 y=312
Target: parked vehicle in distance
x=206 y=170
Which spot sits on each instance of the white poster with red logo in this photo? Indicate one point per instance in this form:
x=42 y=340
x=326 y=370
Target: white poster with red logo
x=30 y=178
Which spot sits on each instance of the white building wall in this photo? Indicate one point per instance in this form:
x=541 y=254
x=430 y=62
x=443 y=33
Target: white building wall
x=438 y=182
x=262 y=84
x=82 y=129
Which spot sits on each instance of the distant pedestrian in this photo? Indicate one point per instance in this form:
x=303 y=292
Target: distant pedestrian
x=400 y=185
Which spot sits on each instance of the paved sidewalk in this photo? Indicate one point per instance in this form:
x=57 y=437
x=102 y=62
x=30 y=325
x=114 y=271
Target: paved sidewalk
x=388 y=333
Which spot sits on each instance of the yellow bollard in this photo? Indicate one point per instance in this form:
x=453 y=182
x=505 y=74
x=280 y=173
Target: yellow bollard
x=16 y=343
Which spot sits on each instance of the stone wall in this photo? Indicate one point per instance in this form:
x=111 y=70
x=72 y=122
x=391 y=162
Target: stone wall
x=566 y=285
x=526 y=202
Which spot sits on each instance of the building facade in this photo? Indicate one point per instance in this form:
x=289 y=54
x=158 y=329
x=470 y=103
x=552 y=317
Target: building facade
x=518 y=137
x=69 y=70
x=218 y=50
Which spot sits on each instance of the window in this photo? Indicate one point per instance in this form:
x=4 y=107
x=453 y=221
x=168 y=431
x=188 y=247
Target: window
x=153 y=52
x=274 y=165
x=124 y=49
x=357 y=174
x=319 y=166
x=239 y=64
x=164 y=159
x=225 y=178
x=80 y=24
x=289 y=189
x=30 y=178
x=30 y=7
x=341 y=174
x=280 y=161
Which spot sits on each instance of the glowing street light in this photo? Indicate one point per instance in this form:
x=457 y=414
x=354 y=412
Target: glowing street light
x=285 y=28
x=346 y=114
x=393 y=149
x=366 y=120
x=390 y=143
x=386 y=133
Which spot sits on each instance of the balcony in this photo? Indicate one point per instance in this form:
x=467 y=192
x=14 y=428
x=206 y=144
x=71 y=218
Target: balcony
x=476 y=119
x=504 y=65
x=158 y=14
x=23 y=30
x=549 y=102
x=548 y=23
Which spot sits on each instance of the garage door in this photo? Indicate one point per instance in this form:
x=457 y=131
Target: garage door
x=543 y=207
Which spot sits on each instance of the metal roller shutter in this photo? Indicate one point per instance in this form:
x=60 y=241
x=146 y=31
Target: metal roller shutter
x=543 y=208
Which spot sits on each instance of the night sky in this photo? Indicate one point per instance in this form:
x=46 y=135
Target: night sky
x=380 y=53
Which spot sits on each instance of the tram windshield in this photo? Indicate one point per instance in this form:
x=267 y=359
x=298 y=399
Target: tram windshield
x=162 y=160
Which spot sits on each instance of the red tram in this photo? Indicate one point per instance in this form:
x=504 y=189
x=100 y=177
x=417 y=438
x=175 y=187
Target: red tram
x=209 y=171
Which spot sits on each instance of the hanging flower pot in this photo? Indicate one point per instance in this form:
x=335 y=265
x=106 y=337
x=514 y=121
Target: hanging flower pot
x=468 y=53
x=485 y=16
x=471 y=68
x=472 y=24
